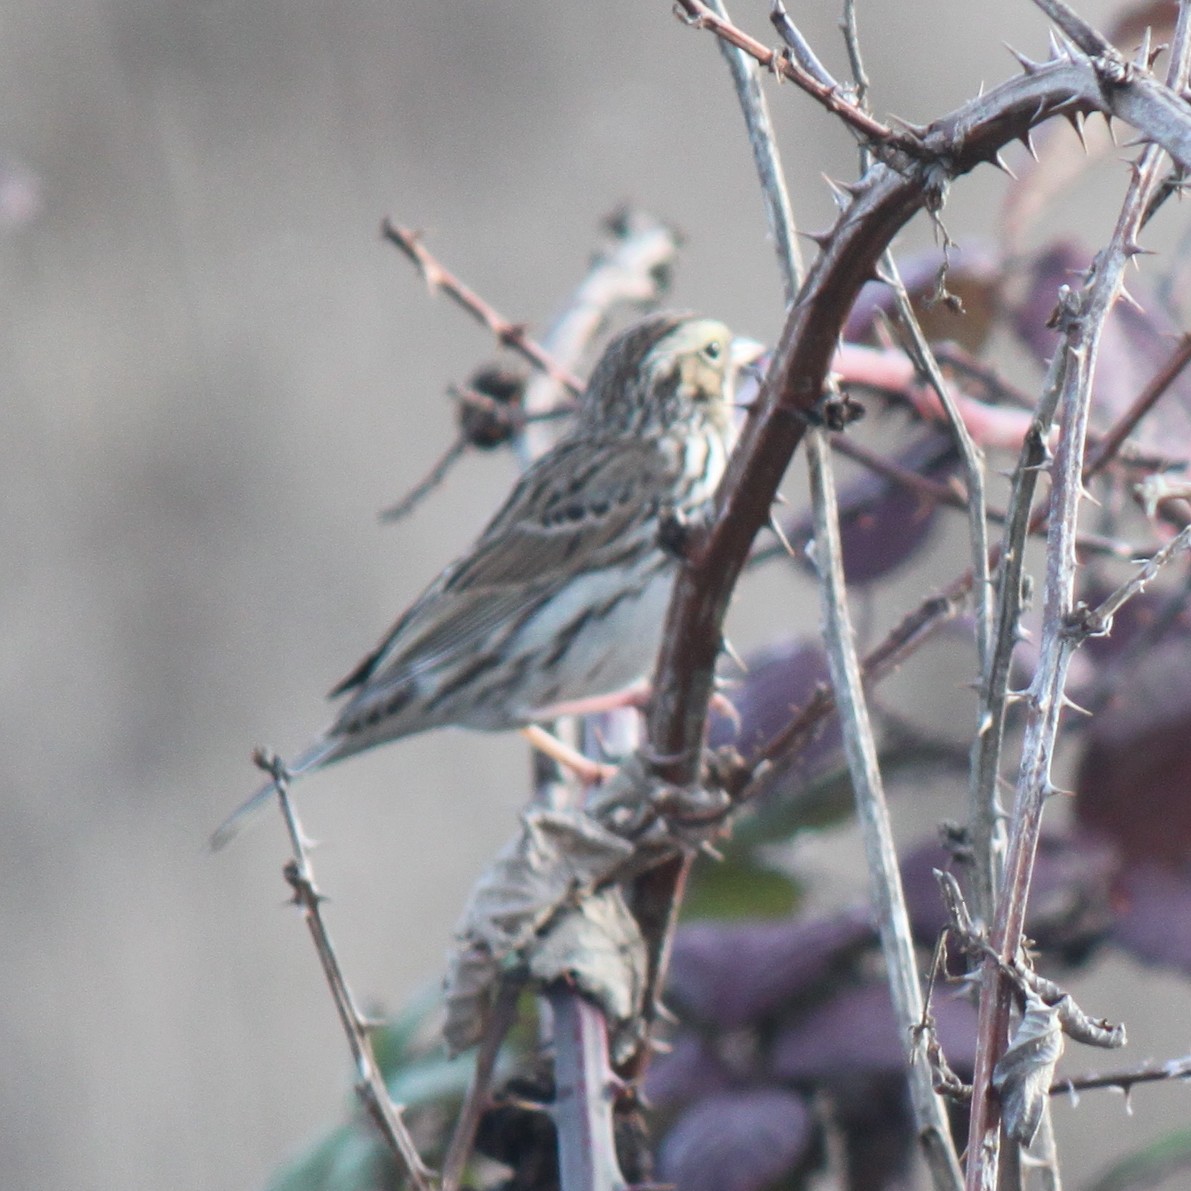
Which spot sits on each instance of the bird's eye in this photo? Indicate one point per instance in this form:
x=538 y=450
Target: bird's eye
x=714 y=350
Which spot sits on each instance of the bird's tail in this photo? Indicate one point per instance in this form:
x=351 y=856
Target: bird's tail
x=318 y=754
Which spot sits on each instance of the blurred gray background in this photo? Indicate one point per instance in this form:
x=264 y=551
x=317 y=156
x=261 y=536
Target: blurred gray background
x=212 y=375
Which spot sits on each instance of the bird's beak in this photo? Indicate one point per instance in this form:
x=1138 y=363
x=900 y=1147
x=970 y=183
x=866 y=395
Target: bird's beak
x=746 y=362
x=742 y=352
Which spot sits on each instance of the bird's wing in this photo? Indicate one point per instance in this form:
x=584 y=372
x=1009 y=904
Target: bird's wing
x=569 y=514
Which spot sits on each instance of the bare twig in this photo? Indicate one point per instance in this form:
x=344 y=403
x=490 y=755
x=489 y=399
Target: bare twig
x=509 y=334
x=885 y=887
x=427 y=484
x=631 y=267
x=987 y=821
x=370 y=1084
x=1173 y=1069
x=778 y=213
x=1096 y=622
x=973 y=459
x=1080 y=343
x=500 y=1021
x=851 y=31
x=1068 y=84
x=1107 y=448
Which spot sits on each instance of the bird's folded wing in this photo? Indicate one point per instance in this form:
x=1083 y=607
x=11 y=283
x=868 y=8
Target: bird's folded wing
x=573 y=517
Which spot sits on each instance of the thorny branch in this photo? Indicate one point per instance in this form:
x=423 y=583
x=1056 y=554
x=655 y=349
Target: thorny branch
x=370 y=1084
x=927 y=160
x=511 y=335
x=1081 y=330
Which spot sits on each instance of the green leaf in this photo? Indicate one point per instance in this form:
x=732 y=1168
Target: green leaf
x=739 y=887
x=345 y=1160
x=1148 y=1166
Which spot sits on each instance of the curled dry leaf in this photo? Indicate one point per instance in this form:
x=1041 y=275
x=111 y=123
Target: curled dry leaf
x=596 y=944
x=556 y=855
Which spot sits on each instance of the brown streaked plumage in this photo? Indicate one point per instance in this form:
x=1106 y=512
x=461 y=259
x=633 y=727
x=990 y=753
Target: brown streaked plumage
x=564 y=595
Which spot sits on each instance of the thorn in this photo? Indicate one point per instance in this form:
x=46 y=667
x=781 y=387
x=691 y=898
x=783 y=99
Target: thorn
x=918 y=130
x=1027 y=64
x=1001 y=164
x=1076 y=120
x=1058 y=48
x=780 y=534
x=840 y=193
x=1112 y=132
x=822 y=239
x=1144 y=55
x=1027 y=139
x=728 y=648
x=1128 y=297
x=1079 y=710
x=662 y=1013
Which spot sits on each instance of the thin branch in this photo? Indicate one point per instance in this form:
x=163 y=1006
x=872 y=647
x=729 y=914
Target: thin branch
x=500 y=1020
x=1067 y=85
x=986 y=817
x=1081 y=341
x=509 y=334
x=804 y=56
x=971 y=455
x=829 y=94
x=631 y=267
x=370 y=1084
x=1097 y=622
x=1125 y=1081
x=428 y=483
x=851 y=31
x=885 y=886
x=1107 y=448
x=778 y=213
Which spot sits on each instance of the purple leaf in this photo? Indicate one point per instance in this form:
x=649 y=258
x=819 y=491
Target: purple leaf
x=778 y=680
x=733 y=975
x=1154 y=915
x=973 y=275
x=1133 y=348
x=742 y=1140
x=690 y=1070
x=883 y=523
x=854 y=1033
x=1136 y=769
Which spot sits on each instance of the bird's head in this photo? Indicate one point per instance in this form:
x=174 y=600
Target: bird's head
x=663 y=372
